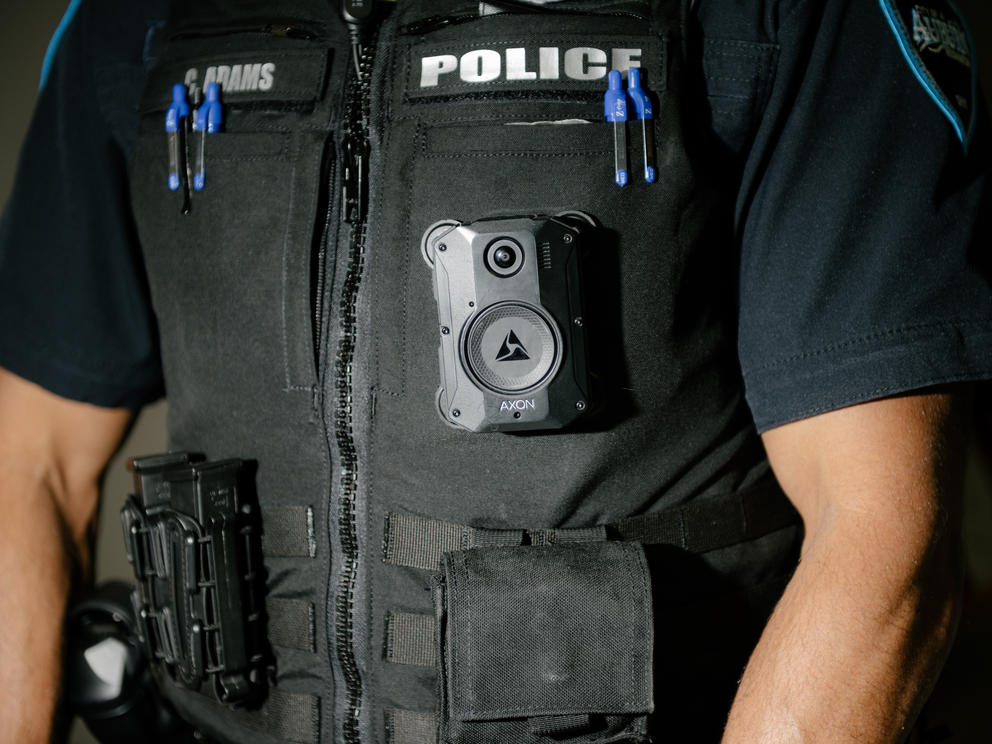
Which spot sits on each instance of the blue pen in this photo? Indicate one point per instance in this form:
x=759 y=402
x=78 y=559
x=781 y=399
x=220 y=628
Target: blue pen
x=207 y=119
x=615 y=108
x=175 y=127
x=642 y=107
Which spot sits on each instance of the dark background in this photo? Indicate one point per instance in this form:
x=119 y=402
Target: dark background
x=961 y=703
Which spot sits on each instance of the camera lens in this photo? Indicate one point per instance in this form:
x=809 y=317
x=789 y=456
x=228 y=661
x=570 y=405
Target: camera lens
x=504 y=257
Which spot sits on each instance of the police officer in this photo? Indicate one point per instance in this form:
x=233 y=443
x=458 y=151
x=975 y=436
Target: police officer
x=806 y=264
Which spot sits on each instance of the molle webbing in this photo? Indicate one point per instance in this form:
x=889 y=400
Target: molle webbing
x=287 y=716
x=408 y=727
x=292 y=623
x=410 y=639
x=289 y=532
x=700 y=526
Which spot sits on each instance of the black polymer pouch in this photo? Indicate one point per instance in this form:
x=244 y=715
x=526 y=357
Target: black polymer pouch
x=540 y=644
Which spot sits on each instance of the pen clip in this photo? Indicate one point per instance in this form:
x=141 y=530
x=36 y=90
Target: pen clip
x=175 y=125
x=615 y=110
x=207 y=119
x=644 y=113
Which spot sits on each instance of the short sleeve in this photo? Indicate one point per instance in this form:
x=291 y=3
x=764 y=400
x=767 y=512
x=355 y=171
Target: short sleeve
x=75 y=308
x=865 y=252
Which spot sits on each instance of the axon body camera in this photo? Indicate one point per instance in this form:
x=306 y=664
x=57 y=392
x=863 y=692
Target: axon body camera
x=512 y=350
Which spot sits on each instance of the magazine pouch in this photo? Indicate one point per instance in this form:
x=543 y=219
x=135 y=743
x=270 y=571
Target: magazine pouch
x=545 y=643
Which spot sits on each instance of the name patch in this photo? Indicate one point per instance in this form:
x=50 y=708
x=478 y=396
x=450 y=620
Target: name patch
x=269 y=76
x=243 y=78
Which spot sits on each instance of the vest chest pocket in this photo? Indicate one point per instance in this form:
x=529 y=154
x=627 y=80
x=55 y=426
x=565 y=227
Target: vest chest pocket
x=231 y=278
x=503 y=115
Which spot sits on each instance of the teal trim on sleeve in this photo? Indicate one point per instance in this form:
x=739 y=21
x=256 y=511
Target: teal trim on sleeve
x=961 y=128
x=53 y=45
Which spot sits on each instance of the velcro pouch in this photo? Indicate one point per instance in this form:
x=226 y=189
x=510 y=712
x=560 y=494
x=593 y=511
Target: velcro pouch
x=545 y=643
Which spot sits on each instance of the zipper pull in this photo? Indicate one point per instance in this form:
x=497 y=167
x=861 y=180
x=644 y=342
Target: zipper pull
x=356 y=187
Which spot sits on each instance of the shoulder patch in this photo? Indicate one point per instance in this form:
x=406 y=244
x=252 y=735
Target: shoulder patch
x=935 y=41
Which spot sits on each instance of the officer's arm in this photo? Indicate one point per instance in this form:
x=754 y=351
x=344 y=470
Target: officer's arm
x=52 y=454
x=859 y=636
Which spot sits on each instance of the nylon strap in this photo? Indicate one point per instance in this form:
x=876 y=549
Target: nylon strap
x=699 y=526
x=419 y=543
x=291 y=623
x=710 y=524
x=410 y=727
x=288 y=532
x=410 y=639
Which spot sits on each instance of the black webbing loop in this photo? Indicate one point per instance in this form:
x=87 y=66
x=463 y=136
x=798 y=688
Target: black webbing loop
x=419 y=543
x=410 y=727
x=291 y=623
x=558 y=727
x=287 y=716
x=410 y=639
x=288 y=531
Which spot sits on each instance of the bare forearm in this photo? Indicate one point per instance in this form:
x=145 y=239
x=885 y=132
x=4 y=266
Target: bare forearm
x=854 y=646
x=851 y=651
x=52 y=453
x=38 y=561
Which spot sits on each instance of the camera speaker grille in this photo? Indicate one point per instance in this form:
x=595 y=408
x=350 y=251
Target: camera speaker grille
x=512 y=348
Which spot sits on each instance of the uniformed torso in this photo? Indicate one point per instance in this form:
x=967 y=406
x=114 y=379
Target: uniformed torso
x=296 y=338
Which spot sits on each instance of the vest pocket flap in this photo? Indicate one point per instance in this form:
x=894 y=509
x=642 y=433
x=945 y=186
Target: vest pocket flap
x=555 y=634
x=565 y=138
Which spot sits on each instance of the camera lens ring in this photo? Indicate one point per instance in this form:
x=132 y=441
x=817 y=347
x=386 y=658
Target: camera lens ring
x=504 y=257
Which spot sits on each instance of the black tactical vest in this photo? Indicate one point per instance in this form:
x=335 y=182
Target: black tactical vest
x=419 y=577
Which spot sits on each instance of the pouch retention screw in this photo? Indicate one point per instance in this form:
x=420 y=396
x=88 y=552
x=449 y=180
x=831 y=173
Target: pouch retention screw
x=567 y=238
x=455 y=412
x=445 y=330
x=580 y=405
x=442 y=247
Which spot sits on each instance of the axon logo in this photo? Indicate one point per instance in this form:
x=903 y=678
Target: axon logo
x=931 y=30
x=523 y=64
x=511 y=406
x=244 y=78
x=512 y=350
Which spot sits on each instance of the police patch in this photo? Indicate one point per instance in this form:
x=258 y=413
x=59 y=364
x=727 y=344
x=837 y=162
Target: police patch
x=936 y=43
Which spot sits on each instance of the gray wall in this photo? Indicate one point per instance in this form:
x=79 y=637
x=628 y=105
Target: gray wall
x=24 y=35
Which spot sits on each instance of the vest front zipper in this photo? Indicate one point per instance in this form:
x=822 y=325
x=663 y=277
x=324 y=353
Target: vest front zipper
x=355 y=148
